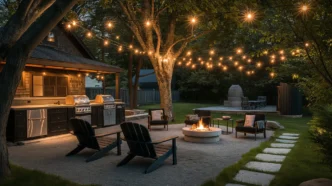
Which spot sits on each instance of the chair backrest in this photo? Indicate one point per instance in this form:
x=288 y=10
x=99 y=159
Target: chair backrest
x=138 y=139
x=244 y=101
x=261 y=98
x=156 y=109
x=84 y=133
x=258 y=116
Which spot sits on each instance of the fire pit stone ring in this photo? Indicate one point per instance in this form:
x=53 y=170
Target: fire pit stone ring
x=208 y=136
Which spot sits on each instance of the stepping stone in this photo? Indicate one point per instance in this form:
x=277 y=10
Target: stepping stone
x=233 y=184
x=288 y=137
x=270 y=157
x=290 y=134
x=263 y=166
x=255 y=178
x=276 y=150
x=285 y=141
x=282 y=145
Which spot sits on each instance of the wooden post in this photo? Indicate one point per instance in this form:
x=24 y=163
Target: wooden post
x=117 y=85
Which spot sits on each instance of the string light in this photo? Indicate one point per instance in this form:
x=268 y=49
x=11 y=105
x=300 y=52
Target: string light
x=281 y=52
x=89 y=34
x=230 y=58
x=265 y=52
x=87 y=74
x=212 y=52
x=74 y=23
x=224 y=68
x=193 y=66
x=249 y=60
x=179 y=63
x=221 y=58
x=244 y=57
x=219 y=64
x=148 y=23
x=150 y=52
x=193 y=20
x=109 y=25
x=272 y=74
x=293 y=53
x=272 y=61
x=249 y=16
x=199 y=59
x=240 y=68
x=79 y=75
x=106 y=43
x=304 y=8
x=282 y=58
x=259 y=64
x=69 y=26
x=44 y=73
x=306 y=44
x=236 y=63
x=117 y=37
x=188 y=53
x=239 y=51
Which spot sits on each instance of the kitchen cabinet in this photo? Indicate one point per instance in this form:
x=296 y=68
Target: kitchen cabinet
x=57 y=121
x=120 y=113
x=97 y=116
x=17 y=125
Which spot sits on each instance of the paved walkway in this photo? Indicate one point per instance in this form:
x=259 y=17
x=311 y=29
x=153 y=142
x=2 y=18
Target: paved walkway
x=196 y=162
x=260 y=172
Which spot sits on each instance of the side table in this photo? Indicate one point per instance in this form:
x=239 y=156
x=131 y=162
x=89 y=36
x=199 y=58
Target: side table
x=222 y=119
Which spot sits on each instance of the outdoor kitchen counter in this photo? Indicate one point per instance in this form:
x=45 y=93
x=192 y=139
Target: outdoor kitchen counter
x=46 y=106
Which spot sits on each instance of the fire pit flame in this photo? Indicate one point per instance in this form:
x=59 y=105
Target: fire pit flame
x=200 y=126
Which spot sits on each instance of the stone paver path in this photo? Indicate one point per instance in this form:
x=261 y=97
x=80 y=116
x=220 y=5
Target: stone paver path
x=281 y=145
x=269 y=161
x=285 y=141
x=270 y=157
x=276 y=151
x=262 y=166
x=288 y=137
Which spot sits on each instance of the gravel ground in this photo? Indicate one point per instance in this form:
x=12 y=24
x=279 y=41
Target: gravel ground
x=196 y=162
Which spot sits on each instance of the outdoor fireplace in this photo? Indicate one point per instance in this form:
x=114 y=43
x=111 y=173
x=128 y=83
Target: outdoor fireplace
x=201 y=133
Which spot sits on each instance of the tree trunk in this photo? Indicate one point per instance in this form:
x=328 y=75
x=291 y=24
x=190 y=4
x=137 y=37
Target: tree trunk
x=130 y=80
x=11 y=74
x=15 y=65
x=137 y=76
x=164 y=70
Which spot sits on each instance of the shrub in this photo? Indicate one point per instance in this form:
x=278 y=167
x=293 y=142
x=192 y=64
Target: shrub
x=321 y=131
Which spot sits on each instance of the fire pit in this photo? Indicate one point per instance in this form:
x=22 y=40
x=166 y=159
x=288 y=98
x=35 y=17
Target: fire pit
x=201 y=133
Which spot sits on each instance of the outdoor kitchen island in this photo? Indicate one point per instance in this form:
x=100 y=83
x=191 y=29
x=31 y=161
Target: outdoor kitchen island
x=55 y=71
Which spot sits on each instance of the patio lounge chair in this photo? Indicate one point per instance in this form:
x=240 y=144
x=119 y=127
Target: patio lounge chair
x=87 y=139
x=259 y=125
x=245 y=103
x=157 y=117
x=140 y=144
x=262 y=100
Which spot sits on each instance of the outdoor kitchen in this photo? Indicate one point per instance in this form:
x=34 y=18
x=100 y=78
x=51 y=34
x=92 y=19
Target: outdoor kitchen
x=52 y=90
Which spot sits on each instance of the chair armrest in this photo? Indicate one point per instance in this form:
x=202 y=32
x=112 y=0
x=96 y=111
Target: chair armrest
x=164 y=140
x=165 y=118
x=149 y=118
x=239 y=122
x=108 y=134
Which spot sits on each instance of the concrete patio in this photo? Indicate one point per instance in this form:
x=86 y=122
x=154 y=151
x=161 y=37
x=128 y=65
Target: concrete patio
x=196 y=162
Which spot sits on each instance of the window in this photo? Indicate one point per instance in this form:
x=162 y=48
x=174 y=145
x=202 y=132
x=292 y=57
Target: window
x=50 y=86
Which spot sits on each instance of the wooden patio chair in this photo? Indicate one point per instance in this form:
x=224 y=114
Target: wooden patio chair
x=140 y=144
x=255 y=129
x=157 y=117
x=87 y=139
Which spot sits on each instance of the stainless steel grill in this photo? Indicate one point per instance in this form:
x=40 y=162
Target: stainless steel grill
x=109 y=108
x=82 y=106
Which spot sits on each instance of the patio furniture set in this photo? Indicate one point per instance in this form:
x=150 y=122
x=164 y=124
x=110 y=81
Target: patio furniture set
x=253 y=104
x=140 y=143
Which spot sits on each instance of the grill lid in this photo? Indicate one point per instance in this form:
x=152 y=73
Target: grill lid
x=77 y=100
x=100 y=98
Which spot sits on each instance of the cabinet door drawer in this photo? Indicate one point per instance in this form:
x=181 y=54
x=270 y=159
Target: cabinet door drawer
x=57 y=110
x=60 y=126
x=57 y=117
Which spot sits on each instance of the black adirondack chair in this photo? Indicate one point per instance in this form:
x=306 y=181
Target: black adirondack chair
x=140 y=144
x=87 y=139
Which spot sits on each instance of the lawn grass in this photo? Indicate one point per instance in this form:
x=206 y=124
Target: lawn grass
x=304 y=162
x=180 y=109
x=24 y=177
